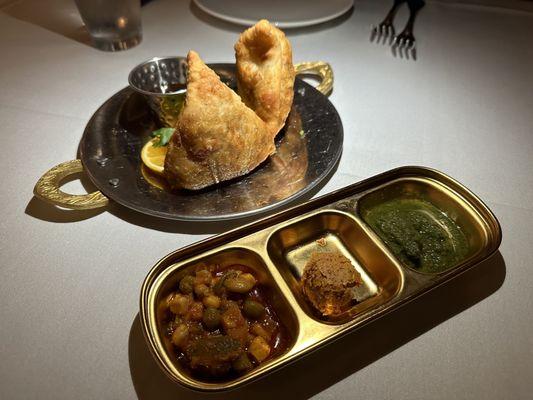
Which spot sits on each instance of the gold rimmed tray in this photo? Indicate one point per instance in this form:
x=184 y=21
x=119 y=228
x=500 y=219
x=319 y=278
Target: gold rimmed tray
x=277 y=248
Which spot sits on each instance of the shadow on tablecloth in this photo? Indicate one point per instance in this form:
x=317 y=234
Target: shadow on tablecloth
x=39 y=209
x=306 y=377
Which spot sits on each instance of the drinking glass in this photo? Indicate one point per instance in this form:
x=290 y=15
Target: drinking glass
x=113 y=24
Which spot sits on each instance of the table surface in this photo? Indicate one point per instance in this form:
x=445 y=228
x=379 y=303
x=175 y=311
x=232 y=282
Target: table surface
x=70 y=280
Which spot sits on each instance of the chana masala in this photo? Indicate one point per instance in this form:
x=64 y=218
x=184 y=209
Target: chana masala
x=220 y=322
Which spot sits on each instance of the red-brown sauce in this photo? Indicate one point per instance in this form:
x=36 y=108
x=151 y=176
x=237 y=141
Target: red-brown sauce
x=244 y=338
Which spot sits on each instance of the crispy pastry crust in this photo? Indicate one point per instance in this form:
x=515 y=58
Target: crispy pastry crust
x=265 y=74
x=217 y=136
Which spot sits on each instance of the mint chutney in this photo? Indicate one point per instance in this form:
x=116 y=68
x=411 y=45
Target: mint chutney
x=419 y=234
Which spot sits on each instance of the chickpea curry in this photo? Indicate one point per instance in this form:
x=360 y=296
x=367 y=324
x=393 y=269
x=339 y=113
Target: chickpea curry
x=220 y=323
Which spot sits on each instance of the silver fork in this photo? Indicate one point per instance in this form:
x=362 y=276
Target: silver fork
x=405 y=41
x=385 y=29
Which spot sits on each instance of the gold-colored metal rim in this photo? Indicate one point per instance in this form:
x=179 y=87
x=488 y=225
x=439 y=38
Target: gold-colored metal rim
x=320 y=69
x=48 y=189
x=269 y=239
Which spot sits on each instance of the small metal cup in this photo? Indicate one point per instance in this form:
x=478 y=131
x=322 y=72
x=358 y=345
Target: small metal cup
x=162 y=81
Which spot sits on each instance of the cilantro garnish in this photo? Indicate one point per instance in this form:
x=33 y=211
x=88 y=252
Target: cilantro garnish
x=163 y=135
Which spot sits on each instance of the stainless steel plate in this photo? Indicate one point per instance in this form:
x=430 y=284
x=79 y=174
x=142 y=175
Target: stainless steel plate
x=308 y=149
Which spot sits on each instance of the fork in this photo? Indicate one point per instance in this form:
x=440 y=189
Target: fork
x=406 y=40
x=386 y=28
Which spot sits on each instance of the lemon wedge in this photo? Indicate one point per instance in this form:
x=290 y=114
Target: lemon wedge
x=154 y=157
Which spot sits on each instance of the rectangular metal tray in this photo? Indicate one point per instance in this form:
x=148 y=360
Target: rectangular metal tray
x=277 y=248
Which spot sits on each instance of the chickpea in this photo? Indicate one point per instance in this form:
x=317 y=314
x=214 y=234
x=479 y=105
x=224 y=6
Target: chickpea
x=201 y=289
x=180 y=304
x=203 y=276
x=168 y=300
x=180 y=335
x=196 y=311
x=232 y=317
x=211 y=301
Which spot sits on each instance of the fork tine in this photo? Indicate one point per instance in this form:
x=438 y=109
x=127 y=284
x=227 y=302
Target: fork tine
x=373 y=33
x=390 y=34
x=383 y=36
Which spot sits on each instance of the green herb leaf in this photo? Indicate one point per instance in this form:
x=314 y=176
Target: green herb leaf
x=163 y=135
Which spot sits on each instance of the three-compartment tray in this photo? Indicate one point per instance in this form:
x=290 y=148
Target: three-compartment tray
x=278 y=247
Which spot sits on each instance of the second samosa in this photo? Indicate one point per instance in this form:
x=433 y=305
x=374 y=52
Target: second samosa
x=219 y=136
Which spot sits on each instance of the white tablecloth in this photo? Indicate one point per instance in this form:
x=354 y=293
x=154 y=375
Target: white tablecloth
x=70 y=280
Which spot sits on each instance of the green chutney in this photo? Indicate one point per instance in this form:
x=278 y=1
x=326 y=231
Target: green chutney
x=419 y=234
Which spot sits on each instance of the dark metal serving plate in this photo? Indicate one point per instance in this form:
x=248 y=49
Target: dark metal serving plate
x=308 y=149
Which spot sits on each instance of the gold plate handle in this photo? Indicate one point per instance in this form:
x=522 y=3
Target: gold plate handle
x=48 y=189
x=320 y=69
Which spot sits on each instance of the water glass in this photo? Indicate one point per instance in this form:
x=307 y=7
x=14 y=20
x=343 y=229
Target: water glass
x=113 y=24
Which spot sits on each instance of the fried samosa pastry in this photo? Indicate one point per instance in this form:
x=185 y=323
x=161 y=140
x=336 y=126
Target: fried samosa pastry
x=217 y=136
x=265 y=74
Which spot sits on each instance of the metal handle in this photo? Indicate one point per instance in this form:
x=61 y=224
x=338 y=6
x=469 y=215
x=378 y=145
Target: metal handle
x=414 y=7
x=48 y=189
x=318 y=68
